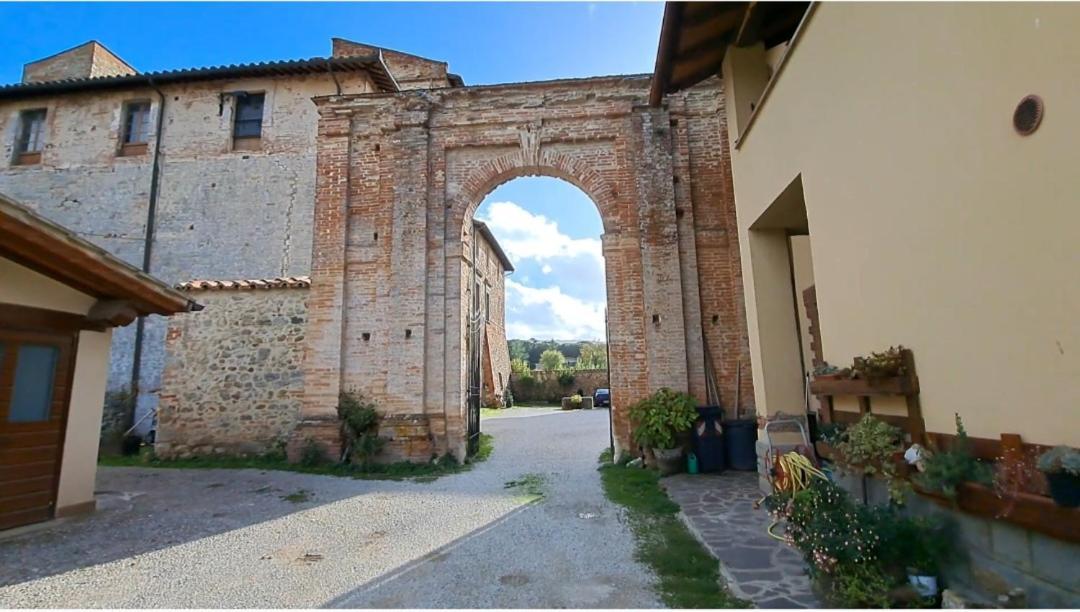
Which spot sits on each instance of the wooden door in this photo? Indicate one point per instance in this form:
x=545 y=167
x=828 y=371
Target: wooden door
x=35 y=383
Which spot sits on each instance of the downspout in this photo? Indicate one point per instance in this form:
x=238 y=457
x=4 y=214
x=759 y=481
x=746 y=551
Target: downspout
x=148 y=246
x=330 y=69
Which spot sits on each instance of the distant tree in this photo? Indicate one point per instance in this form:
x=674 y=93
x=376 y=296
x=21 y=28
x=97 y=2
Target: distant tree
x=552 y=359
x=593 y=356
x=519 y=349
x=519 y=366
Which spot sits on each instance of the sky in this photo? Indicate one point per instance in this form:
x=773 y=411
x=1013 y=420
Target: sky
x=550 y=229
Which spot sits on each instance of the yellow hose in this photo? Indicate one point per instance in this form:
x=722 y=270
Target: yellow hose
x=796 y=474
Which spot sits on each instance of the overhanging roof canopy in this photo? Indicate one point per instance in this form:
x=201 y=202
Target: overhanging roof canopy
x=47 y=248
x=695 y=36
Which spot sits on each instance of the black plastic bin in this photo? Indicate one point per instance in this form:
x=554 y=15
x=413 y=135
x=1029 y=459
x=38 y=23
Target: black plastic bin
x=709 y=439
x=740 y=438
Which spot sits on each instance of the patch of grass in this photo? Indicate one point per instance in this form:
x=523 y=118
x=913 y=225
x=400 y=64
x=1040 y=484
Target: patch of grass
x=606 y=456
x=419 y=472
x=689 y=577
x=298 y=497
x=531 y=484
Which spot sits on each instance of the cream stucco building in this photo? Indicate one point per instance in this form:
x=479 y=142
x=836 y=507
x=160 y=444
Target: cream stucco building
x=904 y=174
x=60 y=298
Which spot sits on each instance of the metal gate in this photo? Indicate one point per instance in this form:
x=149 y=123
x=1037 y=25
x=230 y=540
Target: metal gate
x=475 y=341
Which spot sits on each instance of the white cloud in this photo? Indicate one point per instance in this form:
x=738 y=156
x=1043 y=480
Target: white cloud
x=558 y=291
x=524 y=235
x=549 y=313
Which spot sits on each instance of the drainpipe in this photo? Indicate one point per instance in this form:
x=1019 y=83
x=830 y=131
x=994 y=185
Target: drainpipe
x=148 y=245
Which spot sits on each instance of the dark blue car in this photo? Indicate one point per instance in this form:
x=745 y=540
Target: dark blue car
x=602 y=397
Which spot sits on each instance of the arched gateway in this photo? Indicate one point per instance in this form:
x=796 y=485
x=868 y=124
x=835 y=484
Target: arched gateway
x=400 y=174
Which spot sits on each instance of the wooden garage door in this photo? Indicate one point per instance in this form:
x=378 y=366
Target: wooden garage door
x=35 y=378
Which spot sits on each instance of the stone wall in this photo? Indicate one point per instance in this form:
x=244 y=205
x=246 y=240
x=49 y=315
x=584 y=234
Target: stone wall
x=220 y=213
x=544 y=385
x=233 y=382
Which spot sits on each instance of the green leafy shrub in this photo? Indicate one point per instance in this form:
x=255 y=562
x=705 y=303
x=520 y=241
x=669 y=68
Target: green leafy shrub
x=946 y=470
x=868 y=447
x=661 y=416
x=508 y=397
x=311 y=455
x=575 y=401
x=566 y=378
x=858 y=555
x=359 y=428
x=831 y=433
x=1060 y=460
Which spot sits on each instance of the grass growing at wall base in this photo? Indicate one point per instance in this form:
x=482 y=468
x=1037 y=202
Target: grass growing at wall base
x=689 y=577
x=421 y=472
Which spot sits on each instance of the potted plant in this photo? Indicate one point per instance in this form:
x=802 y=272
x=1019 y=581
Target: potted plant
x=1061 y=465
x=658 y=421
x=944 y=471
x=881 y=365
x=873 y=447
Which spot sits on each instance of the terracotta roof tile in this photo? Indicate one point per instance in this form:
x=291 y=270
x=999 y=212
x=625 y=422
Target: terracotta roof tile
x=281 y=282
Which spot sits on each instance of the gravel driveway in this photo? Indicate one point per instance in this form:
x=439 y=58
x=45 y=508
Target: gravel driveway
x=230 y=538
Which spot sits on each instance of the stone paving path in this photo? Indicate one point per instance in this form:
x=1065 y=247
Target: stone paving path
x=719 y=510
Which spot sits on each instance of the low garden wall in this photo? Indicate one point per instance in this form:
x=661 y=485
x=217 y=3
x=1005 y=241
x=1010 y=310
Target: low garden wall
x=233 y=378
x=551 y=386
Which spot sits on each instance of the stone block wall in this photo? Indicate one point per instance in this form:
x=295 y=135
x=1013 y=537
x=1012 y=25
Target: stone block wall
x=220 y=213
x=544 y=385
x=233 y=381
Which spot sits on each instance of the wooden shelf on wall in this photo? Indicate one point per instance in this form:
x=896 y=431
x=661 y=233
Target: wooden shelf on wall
x=897 y=385
x=905 y=385
x=1034 y=512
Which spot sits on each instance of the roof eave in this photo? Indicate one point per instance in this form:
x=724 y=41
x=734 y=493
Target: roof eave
x=49 y=249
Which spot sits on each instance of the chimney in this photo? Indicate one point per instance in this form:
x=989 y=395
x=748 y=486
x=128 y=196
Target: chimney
x=90 y=59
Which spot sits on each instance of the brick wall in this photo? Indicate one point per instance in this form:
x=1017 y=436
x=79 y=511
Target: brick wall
x=398 y=179
x=233 y=382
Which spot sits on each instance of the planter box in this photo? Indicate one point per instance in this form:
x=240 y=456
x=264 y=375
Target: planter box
x=897 y=385
x=1033 y=512
x=586 y=403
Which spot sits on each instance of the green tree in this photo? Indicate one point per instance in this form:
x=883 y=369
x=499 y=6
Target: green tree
x=552 y=359
x=519 y=366
x=593 y=356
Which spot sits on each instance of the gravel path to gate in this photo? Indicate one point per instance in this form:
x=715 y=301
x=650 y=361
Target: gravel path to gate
x=249 y=538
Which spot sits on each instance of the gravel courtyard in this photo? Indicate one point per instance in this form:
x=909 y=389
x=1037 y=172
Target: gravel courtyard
x=249 y=538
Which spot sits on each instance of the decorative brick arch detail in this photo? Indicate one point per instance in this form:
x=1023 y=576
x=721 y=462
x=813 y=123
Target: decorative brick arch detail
x=397 y=176
x=499 y=171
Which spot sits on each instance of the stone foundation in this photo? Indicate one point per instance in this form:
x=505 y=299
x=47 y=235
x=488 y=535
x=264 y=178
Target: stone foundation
x=326 y=433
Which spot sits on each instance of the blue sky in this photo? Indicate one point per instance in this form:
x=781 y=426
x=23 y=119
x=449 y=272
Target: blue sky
x=558 y=294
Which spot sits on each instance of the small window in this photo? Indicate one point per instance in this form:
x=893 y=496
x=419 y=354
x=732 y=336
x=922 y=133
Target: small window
x=249 y=112
x=135 y=131
x=32 y=389
x=137 y=123
x=487 y=305
x=31 y=136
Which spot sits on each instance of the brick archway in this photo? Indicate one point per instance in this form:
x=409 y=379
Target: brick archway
x=399 y=174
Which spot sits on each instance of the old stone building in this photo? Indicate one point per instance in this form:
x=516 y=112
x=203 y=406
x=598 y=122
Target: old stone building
x=491 y=265
x=204 y=173
x=234 y=173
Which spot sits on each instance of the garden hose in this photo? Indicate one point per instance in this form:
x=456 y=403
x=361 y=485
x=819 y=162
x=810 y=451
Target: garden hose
x=794 y=472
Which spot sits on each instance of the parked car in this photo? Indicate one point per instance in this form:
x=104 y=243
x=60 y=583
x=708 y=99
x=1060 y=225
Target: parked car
x=602 y=397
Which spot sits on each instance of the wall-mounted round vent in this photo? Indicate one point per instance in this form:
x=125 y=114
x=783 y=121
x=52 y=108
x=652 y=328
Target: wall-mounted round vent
x=1028 y=114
